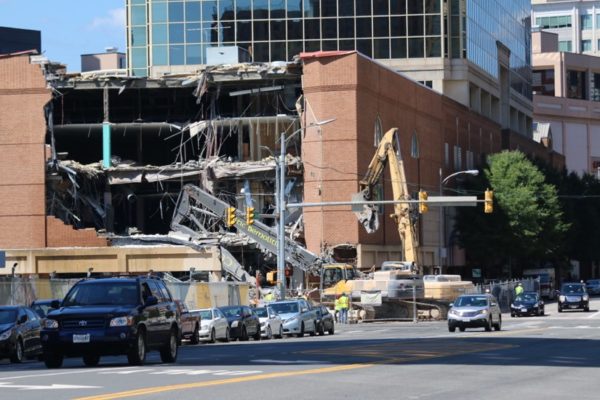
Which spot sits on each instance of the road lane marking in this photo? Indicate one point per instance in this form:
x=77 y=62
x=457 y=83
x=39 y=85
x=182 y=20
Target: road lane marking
x=161 y=389
x=594 y=315
x=85 y=371
x=269 y=361
x=135 y=371
x=54 y=386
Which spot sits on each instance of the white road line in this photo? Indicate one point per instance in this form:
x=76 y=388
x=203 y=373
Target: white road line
x=126 y=372
x=86 y=371
x=269 y=361
x=235 y=373
x=9 y=385
x=594 y=315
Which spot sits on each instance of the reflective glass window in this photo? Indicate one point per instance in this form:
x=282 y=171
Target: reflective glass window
x=364 y=46
x=363 y=27
x=415 y=6
x=243 y=9
x=433 y=47
x=586 y=22
x=347 y=45
x=227 y=31
x=381 y=48
x=415 y=26
x=312 y=29
x=346 y=8
x=261 y=9
x=294 y=29
x=380 y=7
x=278 y=51
x=329 y=45
x=329 y=8
x=138 y=36
x=277 y=9
x=381 y=27
x=565 y=45
x=586 y=45
x=261 y=52
x=244 y=31
x=209 y=10
x=398 y=7
x=176 y=33
x=278 y=29
x=415 y=48
x=261 y=30
x=398 y=48
x=159 y=12
x=363 y=7
x=160 y=55
x=433 y=25
x=294 y=48
x=193 y=33
x=294 y=8
x=312 y=45
x=398 y=26
x=138 y=57
x=159 y=33
x=138 y=1
x=139 y=72
x=329 y=28
x=311 y=8
x=176 y=12
x=432 y=6
x=177 y=55
x=226 y=9
x=192 y=11
x=138 y=15
x=346 y=27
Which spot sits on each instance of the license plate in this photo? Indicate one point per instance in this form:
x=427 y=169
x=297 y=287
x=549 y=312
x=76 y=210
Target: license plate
x=81 y=338
x=573 y=306
x=466 y=319
x=523 y=310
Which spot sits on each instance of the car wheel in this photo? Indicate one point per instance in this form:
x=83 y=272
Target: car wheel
x=301 y=333
x=269 y=332
x=212 y=336
x=195 y=339
x=451 y=329
x=17 y=356
x=243 y=334
x=332 y=330
x=280 y=334
x=168 y=353
x=586 y=308
x=91 y=360
x=512 y=314
x=321 y=329
x=498 y=326
x=559 y=309
x=53 y=360
x=462 y=329
x=488 y=325
x=314 y=331
x=137 y=355
x=257 y=334
x=542 y=313
x=227 y=336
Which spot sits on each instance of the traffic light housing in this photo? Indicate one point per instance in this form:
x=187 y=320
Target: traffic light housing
x=230 y=218
x=488 y=205
x=423 y=207
x=249 y=215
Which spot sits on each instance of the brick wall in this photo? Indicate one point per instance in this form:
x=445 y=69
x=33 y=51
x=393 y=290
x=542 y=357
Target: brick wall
x=62 y=235
x=356 y=90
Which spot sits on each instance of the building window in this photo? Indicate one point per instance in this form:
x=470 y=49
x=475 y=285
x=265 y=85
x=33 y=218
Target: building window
x=563 y=21
x=586 y=45
x=576 y=84
x=543 y=82
x=446 y=155
x=595 y=88
x=378 y=134
x=565 y=45
x=457 y=158
x=586 y=22
x=470 y=160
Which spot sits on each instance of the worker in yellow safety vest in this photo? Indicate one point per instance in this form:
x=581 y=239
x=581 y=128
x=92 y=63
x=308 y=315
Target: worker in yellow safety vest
x=337 y=309
x=344 y=302
x=269 y=297
x=519 y=289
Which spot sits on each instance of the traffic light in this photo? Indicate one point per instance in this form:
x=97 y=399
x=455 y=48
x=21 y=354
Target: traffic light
x=230 y=218
x=488 y=206
x=249 y=215
x=423 y=207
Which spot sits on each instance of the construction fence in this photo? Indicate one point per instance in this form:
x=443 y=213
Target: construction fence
x=504 y=291
x=196 y=295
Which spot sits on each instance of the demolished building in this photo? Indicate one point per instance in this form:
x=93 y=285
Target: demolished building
x=114 y=152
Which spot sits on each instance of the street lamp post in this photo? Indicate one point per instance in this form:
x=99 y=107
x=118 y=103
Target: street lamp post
x=441 y=211
x=281 y=205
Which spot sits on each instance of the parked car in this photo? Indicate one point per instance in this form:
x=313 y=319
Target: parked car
x=42 y=307
x=298 y=317
x=572 y=295
x=19 y=333
x=270 y=323
x=475 y=310
x=243 y=323
x=527 y=303
x=213 y=325
x=112 y=316
x=325 y=321
x=189 y=323
x=593 y=286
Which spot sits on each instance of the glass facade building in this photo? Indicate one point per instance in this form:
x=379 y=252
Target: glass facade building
x=177 y=33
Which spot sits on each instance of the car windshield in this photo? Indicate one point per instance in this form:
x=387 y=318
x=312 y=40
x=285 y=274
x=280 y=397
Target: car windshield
x=572 y=289
x=285 y=308
x=527 y=297
x=8 y=316
x=103 y=293
x=41 y=309
x=205 y=314
x=261 y=312
x=471 y=301
x=232 y=311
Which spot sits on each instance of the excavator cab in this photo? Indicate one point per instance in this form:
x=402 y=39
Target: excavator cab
x=331 y=274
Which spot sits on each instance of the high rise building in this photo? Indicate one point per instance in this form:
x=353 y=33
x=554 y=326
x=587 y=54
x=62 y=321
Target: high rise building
x=577 y=23
x=475 y=51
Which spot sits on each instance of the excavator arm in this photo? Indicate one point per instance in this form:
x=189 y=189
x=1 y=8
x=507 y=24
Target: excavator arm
x=388 y=152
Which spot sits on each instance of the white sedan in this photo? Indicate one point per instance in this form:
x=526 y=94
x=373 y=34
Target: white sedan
x=270 y=322
x=213 y=325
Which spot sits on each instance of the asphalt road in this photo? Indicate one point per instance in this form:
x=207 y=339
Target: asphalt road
x=551 y=357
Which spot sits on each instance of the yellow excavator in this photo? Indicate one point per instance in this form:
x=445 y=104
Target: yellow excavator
x=398 y=282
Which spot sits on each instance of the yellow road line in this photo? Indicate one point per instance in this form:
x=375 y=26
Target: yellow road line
x=161 y=389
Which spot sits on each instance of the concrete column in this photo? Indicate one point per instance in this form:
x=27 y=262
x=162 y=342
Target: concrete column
x=106 y=148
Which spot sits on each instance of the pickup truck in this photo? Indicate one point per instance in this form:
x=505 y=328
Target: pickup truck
x=189 y=323
x=298 y=317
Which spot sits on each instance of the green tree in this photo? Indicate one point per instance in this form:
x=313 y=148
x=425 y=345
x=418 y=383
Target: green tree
x=527 y=224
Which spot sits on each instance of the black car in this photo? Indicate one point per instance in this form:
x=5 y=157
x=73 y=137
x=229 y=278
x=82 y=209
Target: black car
x=243 y=322
x=573 y=296
x=19 y=333
x=112 y=316
x=42 y=307
x=325 y=321
x=527 y=303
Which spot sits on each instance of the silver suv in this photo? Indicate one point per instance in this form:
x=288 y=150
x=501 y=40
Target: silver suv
x=475 y=310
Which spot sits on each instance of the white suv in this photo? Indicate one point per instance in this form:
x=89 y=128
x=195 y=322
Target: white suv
x=475 y=310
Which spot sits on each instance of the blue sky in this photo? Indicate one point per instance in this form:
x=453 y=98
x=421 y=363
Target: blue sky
x=69 y=27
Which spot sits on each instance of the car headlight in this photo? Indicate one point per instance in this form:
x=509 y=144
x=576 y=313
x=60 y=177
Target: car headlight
x=121 y=321
x=483 y=312
x=51 y=324
x=586 y=297
x=234 y=324
x=5 y=335
x=562 y=298
x=453 y=312
x=512 y=305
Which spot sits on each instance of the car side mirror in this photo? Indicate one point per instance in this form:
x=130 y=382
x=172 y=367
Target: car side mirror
x=151 y=301
x=22 y=319
x=55 y=304
x=494 y=304
x=303 y=309
x=451 y=305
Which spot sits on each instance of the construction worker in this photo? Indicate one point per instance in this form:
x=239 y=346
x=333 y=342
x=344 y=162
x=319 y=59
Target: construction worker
x=344 y=305
x=519 y=289
x=337 y=309
x=270 y=296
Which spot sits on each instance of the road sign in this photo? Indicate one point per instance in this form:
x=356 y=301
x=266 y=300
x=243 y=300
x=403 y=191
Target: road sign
x=2 y=259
